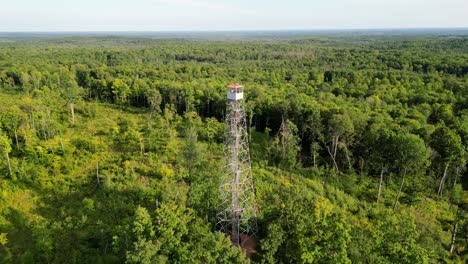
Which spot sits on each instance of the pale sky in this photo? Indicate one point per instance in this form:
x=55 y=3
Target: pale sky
x=195 y=15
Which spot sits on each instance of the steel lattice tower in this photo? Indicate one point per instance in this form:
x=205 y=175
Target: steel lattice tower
x=236 y=215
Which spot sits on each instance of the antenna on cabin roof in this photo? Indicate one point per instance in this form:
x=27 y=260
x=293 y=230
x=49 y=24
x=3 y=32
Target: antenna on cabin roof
x=237 y=214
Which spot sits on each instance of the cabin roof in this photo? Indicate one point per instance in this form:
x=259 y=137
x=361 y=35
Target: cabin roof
x=235 y=86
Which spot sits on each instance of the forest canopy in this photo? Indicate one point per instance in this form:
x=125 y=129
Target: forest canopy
x=111 y=148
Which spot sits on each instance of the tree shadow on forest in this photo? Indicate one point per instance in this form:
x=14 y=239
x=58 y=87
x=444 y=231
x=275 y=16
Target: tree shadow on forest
x=84 y=222
x=19 y=235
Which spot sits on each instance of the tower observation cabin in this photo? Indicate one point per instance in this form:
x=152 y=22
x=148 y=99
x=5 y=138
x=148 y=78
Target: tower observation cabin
x=235 y=92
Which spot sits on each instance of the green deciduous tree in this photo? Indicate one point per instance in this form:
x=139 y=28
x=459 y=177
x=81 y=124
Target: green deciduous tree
x=449 y=147
x=383 y=152
x=287 y=144
x=396 y=239
x=5 y=149
x=11 y=119
x=120 y=89
x=306 y=232
x=146 y=247
x=341 y=130
x=412 y=156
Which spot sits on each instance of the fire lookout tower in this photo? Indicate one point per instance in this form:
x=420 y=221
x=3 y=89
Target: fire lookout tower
x=237 y=214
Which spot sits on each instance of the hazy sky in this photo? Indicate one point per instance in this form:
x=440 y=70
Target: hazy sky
x=162 y=15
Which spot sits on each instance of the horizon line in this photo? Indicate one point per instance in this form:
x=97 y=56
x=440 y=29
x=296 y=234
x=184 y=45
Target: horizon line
x=234 y=30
